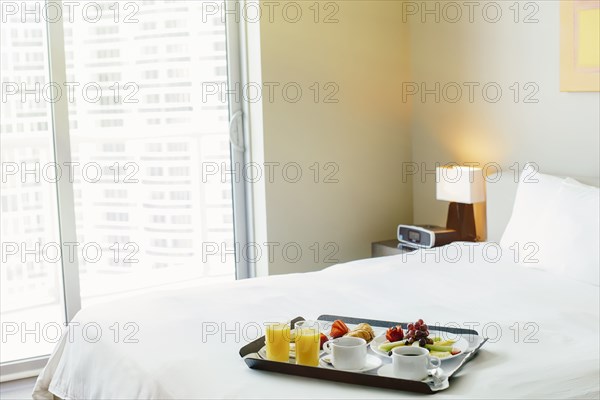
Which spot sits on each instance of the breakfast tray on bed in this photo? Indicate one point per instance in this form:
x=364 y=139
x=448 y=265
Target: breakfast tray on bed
x=251 y=353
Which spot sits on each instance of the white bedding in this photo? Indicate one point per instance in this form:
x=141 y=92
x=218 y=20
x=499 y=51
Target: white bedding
x=172 y=362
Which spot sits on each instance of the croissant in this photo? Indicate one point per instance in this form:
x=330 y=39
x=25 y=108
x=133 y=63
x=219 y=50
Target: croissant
x=362 y=331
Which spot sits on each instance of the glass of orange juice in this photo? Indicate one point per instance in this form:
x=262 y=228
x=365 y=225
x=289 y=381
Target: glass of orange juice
x=307 y=343
x=277 y=337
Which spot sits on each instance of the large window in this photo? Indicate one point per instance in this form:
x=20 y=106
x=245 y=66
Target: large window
x=106 y=135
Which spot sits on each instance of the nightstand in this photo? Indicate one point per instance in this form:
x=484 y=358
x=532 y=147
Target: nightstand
x=389 y=248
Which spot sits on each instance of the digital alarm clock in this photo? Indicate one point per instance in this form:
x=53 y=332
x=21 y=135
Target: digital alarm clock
x=426 y=236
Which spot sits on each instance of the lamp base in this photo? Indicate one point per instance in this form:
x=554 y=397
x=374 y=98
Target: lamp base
x=461 y=218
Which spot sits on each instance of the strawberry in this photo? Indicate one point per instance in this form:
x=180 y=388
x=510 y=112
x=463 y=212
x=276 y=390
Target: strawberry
x=455 y=351
x=394 y=334
x=338 y=329
x=323 y=340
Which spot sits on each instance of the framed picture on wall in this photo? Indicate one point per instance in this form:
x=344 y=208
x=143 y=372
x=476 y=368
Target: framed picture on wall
x=580 y=45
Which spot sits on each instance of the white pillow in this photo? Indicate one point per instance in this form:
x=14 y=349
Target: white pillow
x=533 y=193
x=570 y=240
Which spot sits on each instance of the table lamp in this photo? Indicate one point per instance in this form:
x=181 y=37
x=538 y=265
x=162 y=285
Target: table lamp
x=461 y=186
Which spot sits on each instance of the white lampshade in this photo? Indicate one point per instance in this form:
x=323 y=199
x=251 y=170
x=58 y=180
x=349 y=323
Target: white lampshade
x=460 y=184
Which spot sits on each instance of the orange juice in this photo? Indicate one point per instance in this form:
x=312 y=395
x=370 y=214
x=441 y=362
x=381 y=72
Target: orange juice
x=278 y=342
x=307 y=346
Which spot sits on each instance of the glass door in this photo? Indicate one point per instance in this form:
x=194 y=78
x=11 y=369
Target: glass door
x=142 y=134
x=134 y=188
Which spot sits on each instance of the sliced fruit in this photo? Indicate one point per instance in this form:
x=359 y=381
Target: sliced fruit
x=323 y=340
x=436 y=339
x=390 y=345
x=440 y=354
x=455 y=351
x=433 y=347
x=394 y=334
x=445 y=343
x=338 y=329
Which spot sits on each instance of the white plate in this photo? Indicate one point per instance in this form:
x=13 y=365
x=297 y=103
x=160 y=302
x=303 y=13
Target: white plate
x=461 y=343
x=437 y=378
x=371 y=363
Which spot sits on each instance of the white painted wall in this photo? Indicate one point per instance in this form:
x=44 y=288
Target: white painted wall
x=560 y=132
x=365 y=134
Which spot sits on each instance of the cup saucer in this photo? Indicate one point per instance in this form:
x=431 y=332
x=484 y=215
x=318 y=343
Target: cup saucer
x=436 y=376
x=372 y=362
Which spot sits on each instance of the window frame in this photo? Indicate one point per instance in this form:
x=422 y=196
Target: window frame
x=238 y=138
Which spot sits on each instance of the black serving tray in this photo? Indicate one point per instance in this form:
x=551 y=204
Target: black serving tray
x=250 y=355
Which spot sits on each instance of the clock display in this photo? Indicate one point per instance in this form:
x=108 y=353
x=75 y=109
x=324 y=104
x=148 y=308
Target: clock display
x=414 y=236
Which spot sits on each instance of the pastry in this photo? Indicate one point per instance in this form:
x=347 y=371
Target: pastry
x=364 y=331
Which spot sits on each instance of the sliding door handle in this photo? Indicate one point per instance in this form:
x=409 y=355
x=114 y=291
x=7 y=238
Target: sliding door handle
x=236 y=132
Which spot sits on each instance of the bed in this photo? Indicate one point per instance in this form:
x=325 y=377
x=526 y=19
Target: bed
x=543 y=328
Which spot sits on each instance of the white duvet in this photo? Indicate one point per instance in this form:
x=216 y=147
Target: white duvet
x=547 y=345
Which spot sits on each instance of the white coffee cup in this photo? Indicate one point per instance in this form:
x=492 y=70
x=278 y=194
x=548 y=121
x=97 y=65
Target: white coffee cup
x=413 y=363
x=347 y=352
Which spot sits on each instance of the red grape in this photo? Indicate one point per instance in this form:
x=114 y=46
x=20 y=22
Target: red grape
x=418 y=332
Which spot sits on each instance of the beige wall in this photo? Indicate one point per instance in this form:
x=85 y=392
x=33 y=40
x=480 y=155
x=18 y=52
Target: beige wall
x=371 y=54
x=560 y=132
x=365 y=134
